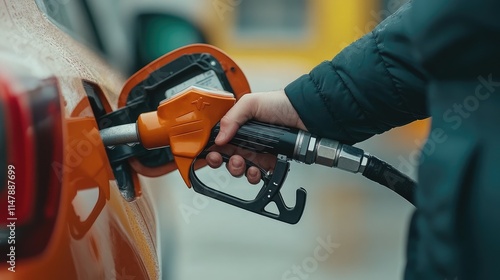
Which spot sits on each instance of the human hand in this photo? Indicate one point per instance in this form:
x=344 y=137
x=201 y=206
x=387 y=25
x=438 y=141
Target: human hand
x=270 y=107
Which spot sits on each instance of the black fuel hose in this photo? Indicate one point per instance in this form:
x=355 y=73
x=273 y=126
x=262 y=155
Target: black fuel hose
x=385 y=174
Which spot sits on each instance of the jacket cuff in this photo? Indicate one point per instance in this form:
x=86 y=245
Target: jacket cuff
x=311 y=105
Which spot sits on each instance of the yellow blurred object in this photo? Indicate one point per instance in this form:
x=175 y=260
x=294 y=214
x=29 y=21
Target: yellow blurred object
x=329 y=26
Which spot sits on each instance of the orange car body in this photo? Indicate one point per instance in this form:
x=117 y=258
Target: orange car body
x=92 y=232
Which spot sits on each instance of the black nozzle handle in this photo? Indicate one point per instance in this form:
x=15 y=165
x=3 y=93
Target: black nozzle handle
x=273 y=139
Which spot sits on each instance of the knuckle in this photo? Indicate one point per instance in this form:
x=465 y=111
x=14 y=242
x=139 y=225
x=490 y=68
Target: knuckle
x=244 y=98
x=247 y=101
x=225 y=121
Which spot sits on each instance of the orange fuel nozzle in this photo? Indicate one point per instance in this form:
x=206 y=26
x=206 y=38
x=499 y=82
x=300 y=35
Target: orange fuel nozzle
x=187 y=124
x=184 y=123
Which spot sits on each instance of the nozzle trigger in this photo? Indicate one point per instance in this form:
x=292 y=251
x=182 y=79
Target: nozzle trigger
x=270 y=192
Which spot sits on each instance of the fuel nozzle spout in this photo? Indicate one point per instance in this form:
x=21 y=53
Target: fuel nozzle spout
x=120 y=134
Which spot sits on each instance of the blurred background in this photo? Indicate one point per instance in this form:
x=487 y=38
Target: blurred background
x=351 y=228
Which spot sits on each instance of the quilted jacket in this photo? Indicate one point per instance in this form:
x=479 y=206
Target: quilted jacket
x=438 y=58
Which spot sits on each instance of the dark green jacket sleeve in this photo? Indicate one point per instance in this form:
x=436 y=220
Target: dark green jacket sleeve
x=370 y=87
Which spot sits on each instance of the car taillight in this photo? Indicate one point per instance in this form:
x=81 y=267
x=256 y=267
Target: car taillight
x=31 y=128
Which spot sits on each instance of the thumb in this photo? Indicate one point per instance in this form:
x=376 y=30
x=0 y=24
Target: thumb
x=239 y=114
